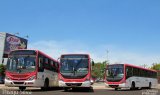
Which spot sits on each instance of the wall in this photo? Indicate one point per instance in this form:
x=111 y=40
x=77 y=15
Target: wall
x=2 y=41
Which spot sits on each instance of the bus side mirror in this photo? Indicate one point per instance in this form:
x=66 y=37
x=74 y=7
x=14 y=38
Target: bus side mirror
x=106 y=71
x=56 y=64
x=93 y=63
x=58 y=59
x=3 y=60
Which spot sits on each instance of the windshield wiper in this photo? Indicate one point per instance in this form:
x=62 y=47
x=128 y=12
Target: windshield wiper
x=18 y=70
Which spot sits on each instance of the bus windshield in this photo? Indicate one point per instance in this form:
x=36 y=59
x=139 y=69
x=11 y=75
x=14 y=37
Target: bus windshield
x=114 y=73
x=74 y=67
x=21 y=63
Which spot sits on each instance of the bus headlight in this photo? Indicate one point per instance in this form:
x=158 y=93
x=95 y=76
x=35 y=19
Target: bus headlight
x=87 y=79
x=60 y=78
x=7 y=78
x=32 y=77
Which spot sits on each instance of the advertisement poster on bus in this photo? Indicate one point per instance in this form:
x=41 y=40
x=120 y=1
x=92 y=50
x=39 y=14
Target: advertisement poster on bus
x=13 y=42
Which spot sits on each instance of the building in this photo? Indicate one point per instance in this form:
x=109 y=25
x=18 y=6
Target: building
x=9 y=42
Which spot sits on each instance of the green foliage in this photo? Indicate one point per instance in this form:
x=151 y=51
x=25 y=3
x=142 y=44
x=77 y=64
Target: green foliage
x=155 y=66
x=2 y=69
x=98 y=69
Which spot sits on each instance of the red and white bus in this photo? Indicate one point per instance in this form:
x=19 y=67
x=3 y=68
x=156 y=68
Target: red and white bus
x=31 y=68
x=75 y=71
x=129 y=76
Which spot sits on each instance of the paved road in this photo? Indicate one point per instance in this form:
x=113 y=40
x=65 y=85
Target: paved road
x=79 y=92
x=99 y=89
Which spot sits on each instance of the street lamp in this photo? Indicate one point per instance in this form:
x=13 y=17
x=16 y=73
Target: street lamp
x=107 y=54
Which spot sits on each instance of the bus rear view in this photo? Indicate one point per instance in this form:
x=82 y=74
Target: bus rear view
x=75 y=71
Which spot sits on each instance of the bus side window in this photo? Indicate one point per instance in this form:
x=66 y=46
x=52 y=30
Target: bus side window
x=128 y=72
x=136 y=72
x=46 y=61
x=46 y=64
x=41 y=65
x=54 y=66
x=57 y=67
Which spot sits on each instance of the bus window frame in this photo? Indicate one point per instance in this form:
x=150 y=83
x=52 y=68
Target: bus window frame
x=40 y=64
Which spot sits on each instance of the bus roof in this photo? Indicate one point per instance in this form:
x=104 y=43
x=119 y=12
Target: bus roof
x=126 y=64
x=140 y=67
x=38 y=51
x=75 y=54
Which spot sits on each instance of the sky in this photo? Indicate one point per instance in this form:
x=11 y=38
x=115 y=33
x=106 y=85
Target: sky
x=121 y=31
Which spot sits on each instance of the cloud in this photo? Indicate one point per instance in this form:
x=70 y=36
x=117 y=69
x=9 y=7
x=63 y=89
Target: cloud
x=55 y=49
x=98 y=53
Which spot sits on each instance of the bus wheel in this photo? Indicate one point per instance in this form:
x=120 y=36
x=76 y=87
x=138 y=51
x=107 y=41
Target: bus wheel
x=150 y=85
x=46 y=85
x=90 y=89
x=66 y=89
x=115 y=89
x=132 y=86
x=21 y=88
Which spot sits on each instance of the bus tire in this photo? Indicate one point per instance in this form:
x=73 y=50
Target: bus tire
x=21 y=88
x=66 y=89
x=87 y=89
x=46 y=85
x=90 y=89
x=150 y=85
x=115 y=89
x=132 y=86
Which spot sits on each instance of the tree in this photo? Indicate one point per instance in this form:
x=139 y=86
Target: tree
x=99 y=70
x=155 y=66
x=2 y=69
x=144 y=66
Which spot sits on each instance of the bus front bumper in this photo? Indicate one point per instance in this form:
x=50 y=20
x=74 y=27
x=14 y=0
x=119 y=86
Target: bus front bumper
x=26 y=83
x=75 y=84
x=122 y=85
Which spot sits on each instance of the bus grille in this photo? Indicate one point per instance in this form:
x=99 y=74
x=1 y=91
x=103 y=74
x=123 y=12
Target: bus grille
x=73 y=84
x=18 y=82
x=19 y=76
x=114 y=86
x=18 y=79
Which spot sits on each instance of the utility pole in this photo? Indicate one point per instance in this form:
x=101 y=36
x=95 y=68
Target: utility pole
x=107 y=55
